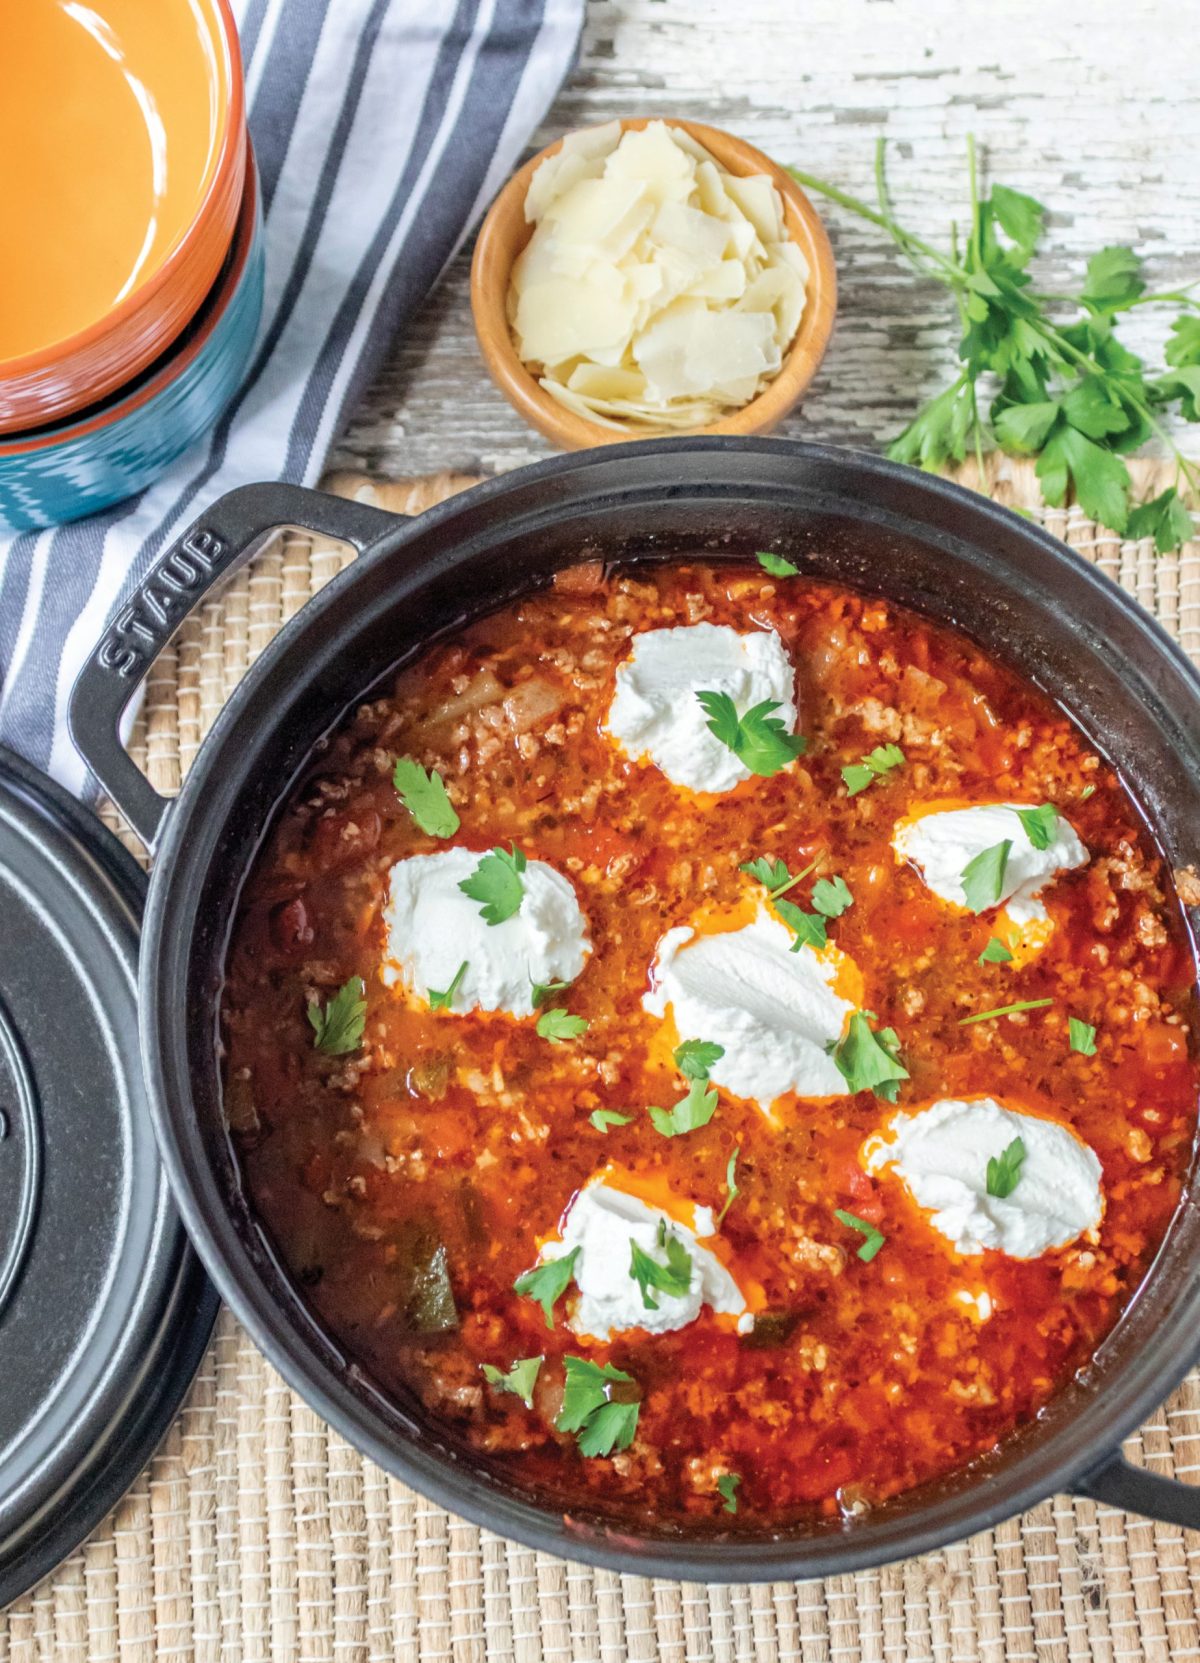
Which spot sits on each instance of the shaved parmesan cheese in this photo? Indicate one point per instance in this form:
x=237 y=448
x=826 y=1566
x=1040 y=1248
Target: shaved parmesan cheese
x=657 y=289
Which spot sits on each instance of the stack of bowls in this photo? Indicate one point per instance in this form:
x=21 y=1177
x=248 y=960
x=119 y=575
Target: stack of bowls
x=131 y=298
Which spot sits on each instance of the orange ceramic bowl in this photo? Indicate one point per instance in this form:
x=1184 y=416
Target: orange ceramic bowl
x=122 y=171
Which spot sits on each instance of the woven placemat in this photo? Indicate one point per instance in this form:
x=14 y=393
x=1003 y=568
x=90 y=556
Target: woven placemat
x=257 y=1533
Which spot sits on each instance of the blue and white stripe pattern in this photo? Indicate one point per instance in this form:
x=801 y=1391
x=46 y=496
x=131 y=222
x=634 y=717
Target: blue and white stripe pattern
x=382 y=129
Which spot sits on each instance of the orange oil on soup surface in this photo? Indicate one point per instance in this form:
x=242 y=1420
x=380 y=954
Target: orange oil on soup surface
x=110 y=117
x=468 y=1134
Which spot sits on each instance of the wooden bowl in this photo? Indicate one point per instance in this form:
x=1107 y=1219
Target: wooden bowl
x=504 y=234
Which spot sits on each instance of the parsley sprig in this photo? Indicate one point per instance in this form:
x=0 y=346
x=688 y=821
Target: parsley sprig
x=338 y=1028
x=868 y=1059
x=424 y=796
x=689 y=1114
x=557 y=1025
x=983 y=877
x=1081 y=1036
x=444 y=1000
x=878 y=763
x=1040 y=824
x=1062 y=387
x=731 y=1189
x=774 y=875
x=496 y=884
x=873 y=1239
x=760 y=741
x=596 y=1406
x=1004 y=1170
x=520 y=1379
x=602 y=1119
x=547 y=1283
x=672 y=1276
x=1005 y=1010
x=694 y=1058
x=995 y=952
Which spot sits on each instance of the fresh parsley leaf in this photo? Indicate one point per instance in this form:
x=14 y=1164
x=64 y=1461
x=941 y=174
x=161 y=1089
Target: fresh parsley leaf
x=1183 y=348
x=831 y=897
x=338 y=1029
x=1019 y=216
x=1165 y=518
x=1040 y=824
x=1022 y=429
x=809 y=927
x=541 y=991
x=995 y=952
x=673 y=1277
x=558 y=1024
x=1182 y=384
x=496 y=884
x=1003 y=1170
x=983 y=878
x=1005 y=1010
x=520 y=1379
x=443 y=1001
x=873 y=1238
x=1082 y=1036
x=731 y=1190
x=877 y=763
x=595 y=1408
x=727 y=1486
x=689 y=1114
x=695 y=1057
x=939 y=431
x=760 y=741
x=1113 y=279
x=1100 y=478
x=777 y=565
x=424 y=796
x=547 y=1283
x=611 y=1428
x=772 y=874
x=602 y=1119
x=869 y=1059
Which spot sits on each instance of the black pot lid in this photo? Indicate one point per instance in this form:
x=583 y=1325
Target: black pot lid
x=104 y=1310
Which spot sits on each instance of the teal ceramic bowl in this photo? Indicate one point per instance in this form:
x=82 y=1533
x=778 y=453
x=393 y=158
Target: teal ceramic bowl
x=115 y=449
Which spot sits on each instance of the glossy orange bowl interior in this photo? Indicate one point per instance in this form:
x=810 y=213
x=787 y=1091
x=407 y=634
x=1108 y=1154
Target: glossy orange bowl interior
x=122 y=154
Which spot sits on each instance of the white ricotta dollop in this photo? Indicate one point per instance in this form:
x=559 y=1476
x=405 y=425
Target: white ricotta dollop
x=656 y=714
x=433 y=927
x=774 y=1010
x=941 y=1155
x=603 y=1222
x=941 y=844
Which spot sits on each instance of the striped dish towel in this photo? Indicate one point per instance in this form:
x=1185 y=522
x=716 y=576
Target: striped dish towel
x=382 y=129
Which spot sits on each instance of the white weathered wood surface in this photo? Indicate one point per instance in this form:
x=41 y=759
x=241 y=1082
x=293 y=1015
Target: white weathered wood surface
x=1093 y=106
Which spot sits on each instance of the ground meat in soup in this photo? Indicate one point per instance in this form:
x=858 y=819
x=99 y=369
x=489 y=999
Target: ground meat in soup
x=408 y=1182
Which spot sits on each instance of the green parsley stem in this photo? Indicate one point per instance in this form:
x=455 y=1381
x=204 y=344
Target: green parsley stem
x=1005 y=1010
x=773 y=894
x=856 y=205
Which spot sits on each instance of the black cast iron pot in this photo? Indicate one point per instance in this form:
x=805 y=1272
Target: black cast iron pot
x=931 y=545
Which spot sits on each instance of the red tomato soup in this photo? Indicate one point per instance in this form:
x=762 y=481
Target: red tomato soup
x=414 y=1156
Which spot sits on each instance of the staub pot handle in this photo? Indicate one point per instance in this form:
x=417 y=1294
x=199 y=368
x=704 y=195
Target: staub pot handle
x=229 y=534
x=1117 y=1483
